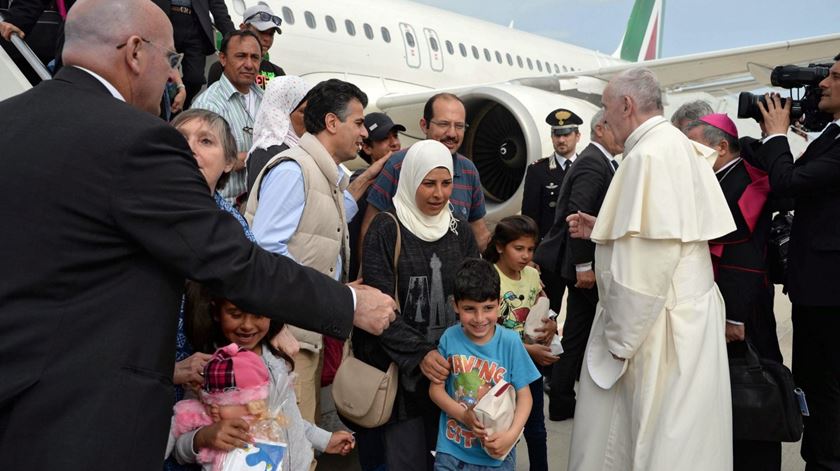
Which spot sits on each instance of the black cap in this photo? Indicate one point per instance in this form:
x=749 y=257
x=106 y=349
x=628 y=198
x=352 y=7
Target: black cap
x=563 y=121
x=379 y=125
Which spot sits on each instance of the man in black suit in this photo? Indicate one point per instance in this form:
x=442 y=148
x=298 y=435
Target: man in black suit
x=106 y=213
x=813 y=180
x=584 y=188
x=194 y=36
x=542 y=185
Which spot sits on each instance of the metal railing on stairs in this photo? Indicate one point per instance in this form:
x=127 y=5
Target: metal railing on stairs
x=29 y=56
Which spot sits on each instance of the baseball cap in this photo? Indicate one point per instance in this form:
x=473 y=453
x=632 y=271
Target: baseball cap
x=262 y=17
x=379 y=125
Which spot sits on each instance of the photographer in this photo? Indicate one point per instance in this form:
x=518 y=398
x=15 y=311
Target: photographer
x=813 y=181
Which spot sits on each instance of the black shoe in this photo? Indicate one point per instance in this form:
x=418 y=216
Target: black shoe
x=562 y=411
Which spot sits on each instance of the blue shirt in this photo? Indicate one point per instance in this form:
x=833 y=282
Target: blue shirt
x=467 y=200
x=282 y=197
x=474 y=370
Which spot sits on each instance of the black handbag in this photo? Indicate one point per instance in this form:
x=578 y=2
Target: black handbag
x=764 y=405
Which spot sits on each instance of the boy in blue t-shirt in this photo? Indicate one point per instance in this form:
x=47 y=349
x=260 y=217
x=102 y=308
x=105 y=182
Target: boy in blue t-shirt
x=479 y=356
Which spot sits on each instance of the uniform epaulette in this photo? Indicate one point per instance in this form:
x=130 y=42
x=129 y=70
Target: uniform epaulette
x=539 y=160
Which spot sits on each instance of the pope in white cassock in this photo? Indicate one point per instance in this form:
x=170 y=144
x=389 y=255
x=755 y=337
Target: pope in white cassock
x=654 y=387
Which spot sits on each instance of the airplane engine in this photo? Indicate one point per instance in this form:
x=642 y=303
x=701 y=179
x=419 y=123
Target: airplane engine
x=507 y=131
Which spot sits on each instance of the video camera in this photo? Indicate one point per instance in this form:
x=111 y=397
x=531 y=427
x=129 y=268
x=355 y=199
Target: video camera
x=792 y=77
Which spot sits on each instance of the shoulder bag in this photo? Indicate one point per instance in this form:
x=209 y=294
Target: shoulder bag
x=363 y=393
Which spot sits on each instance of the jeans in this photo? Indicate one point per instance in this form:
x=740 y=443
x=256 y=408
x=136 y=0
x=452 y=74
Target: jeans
x=535 y=435
x=445 y=462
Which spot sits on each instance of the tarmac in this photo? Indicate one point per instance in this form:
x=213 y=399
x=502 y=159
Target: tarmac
x=560 y=433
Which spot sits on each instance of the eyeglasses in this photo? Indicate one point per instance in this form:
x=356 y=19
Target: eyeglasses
x=173 y=57
x=264 y=16
x=447 y=125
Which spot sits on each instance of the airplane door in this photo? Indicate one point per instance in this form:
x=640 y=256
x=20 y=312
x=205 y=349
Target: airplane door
x=435 y=49
x=412 y=49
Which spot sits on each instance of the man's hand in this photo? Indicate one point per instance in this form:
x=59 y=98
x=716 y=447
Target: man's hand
x=360 y=185
x=374 y=310
x=178 y=101
x=776 y=116
x=224 y=435
x=435 y=367
x=734 y=332
x=580 y=225
x=7 y=29
x=585 y=279
x=341 y=443
x=541 y=354
x=286 y=342
x=190 y=370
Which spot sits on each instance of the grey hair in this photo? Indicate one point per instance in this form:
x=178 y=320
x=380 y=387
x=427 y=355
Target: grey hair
x=691 y=111
x=219 y=127
x=597 y=118
x=642 y=86
x=712 y=135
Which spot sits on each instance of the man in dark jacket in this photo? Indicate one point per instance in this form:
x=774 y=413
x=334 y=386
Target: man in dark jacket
x=584 y=188
x=813 y=181
x=107 y=214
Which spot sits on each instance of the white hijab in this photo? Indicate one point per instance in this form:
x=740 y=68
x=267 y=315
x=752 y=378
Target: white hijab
x=272 y=125
x=422 y=158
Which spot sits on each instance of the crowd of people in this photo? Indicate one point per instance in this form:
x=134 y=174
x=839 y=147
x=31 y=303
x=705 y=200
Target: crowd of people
x=176 y=291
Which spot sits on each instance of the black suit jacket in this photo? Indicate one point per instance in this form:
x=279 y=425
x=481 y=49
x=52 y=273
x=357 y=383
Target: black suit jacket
x=583 y=189
x=539 y=195
x=814 y=183
x=203 y=9
x=104 y=215
x=25 y=13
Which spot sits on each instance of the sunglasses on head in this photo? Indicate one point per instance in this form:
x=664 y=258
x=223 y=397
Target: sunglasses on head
x=264 y=16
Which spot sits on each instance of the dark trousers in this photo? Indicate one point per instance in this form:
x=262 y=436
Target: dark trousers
x=752 y=455
x=409 y=443
x=189 y=39
x=816 y=370
x=535 y=435
x=580 y=312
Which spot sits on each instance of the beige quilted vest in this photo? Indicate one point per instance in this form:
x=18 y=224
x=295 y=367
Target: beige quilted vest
x=322 y=232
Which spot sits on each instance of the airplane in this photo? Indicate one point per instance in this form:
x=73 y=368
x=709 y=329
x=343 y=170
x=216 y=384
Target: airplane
x=401 y=53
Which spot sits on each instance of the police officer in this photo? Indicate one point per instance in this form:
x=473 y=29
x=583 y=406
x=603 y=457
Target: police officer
x=542 y=186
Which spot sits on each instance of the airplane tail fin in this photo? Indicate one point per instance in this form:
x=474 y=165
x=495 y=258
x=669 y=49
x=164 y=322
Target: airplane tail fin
x=643 y=37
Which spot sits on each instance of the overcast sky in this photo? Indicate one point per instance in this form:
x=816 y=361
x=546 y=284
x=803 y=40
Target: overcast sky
x=690 y=25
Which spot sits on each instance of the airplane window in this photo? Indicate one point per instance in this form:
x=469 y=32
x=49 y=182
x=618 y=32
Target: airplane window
x=409 y=38
x=330 y=23
x=498 y=57
x=530 y=64
x=386 y=35
x=547 y=67
x=449 y=47
x=351 y=28
x=565 y=69
x=556 y=69
x=539 y=66
x=463 y=49
x=434 y=44
x=509 y=59
x=487 y=55
x=368 y=31
x=288 y=16
x=475 y=52
x=310 y=19
x=519 y=61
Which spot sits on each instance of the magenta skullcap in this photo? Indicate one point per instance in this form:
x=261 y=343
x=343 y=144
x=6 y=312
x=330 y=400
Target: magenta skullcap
x=722 y=122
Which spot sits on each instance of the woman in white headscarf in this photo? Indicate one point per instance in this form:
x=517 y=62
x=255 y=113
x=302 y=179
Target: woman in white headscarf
x=433 y=245
x=279 y=122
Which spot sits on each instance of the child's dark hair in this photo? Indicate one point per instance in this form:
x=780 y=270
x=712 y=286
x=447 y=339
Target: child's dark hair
x=508 y=230
x=476 y=280
x=202 y=328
